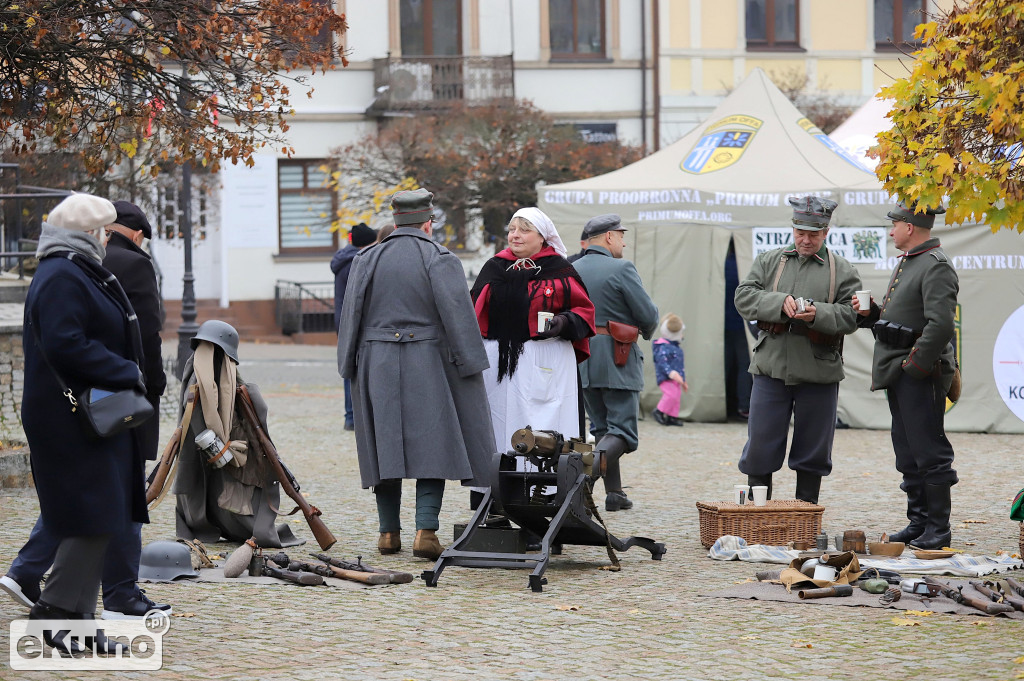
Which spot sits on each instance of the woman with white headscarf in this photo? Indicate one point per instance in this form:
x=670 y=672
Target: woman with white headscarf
x=532 y=378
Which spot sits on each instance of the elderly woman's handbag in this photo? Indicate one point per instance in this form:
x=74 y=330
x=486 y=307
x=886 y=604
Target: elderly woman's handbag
x=104 y=412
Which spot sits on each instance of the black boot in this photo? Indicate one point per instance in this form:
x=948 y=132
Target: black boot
x=808 y=485
x=761 y=481
x=59 y=639
x=936 y=533
x=917 y=514
x=612 y=448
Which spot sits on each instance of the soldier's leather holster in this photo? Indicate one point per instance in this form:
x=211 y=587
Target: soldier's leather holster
x=623 y=337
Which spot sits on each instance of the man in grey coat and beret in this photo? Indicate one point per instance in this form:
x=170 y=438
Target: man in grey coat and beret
x=410 y=343
x=611 y=391
x=914 y=363
x=800 y=298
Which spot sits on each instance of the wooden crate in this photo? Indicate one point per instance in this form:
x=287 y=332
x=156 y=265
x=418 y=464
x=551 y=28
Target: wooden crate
x=775 y=524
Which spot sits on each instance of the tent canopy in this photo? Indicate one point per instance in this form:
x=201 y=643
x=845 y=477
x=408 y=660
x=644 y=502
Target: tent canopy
x=857 y=133
x=686 y=204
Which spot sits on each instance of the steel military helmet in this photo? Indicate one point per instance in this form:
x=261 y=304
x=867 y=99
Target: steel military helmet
x=164 y=561
x=221 y=334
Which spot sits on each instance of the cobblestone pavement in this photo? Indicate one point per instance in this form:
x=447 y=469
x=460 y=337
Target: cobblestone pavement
x=646 y=622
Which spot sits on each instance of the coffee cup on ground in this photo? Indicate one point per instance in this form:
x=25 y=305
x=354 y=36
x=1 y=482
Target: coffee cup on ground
x=824 y=573
x=759 y=493
x=864 y=299
x=740 y=494
x=542 y=320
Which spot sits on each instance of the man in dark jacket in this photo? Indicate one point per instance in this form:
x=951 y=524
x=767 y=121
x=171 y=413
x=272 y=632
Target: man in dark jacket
x=914 y=363
x=359 y=237
x=133 y=267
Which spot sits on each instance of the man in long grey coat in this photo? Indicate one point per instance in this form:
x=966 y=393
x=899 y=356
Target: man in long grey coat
x=611 y=392
x=410 y=344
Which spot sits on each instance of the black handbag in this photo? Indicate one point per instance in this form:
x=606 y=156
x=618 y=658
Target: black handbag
x=104 y=412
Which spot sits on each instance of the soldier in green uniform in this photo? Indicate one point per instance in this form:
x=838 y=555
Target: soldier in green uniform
x=611 y=391
x=914 y=363
x=799 y=297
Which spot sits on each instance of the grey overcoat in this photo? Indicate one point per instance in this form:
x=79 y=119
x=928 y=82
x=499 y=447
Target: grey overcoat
x=618 y=294
x=411 y=345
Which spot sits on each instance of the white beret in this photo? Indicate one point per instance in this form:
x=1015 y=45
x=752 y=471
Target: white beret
x=82 y=213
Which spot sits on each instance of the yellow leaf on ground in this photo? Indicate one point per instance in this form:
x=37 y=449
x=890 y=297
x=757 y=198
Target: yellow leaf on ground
x=1018 y=660
x=904 y=622
x=567 y=607
x=920 y=613
x=183 y=614
x=748 y=638
x=972 y=520
x=800 y=645
x=981 y=624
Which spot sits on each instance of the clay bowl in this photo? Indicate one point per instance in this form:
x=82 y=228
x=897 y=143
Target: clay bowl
x=886 y=548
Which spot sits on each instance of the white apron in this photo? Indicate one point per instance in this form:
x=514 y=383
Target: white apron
x=541 y=394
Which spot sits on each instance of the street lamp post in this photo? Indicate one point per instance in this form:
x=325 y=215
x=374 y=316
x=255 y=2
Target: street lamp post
x=188 y=327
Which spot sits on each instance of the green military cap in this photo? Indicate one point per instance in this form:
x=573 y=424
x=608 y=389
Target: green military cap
x=412 y=207
x=811 y=213
x=901 y=213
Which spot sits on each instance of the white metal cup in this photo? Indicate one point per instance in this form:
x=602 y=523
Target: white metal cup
x=542 y=318
x=864 y=298
x=740 y=494
x=759 y=493
x=824 y=573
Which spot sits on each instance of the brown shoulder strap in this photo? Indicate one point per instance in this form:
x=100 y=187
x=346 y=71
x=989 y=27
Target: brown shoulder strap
x=778 y=272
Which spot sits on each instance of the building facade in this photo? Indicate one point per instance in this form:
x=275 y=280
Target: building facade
x=641 y=71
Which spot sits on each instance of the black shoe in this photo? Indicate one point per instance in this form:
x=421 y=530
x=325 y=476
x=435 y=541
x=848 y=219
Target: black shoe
x=676 y=421
x=136 y=609
x=617 y=501
x=22 y=594
x=743 y=415
x=349 y=426
x=661 y=417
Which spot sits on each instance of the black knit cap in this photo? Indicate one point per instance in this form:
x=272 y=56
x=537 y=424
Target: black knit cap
x=131 y=216
x=361 y=235
x=902 y=213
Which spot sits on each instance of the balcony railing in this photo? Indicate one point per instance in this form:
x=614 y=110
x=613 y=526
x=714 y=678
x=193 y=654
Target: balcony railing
x=427 y=84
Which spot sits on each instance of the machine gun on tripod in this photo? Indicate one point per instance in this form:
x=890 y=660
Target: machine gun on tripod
x=567 y=515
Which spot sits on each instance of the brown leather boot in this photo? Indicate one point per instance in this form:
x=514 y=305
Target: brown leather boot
x=426 y=545
x=389 y=542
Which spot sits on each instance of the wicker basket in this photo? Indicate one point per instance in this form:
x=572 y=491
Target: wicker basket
x=776 y=524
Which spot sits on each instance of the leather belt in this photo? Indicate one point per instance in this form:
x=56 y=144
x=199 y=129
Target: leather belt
x=601 y=331
x=816 y=337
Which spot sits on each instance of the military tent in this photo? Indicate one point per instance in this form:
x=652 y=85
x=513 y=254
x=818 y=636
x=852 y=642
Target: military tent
x=729 y=179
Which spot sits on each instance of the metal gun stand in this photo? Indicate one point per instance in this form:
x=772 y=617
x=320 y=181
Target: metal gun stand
x=559 y=518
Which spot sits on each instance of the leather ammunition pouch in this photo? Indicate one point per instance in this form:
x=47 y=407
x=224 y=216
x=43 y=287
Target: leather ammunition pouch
x=835 y=342
x=894 y=335
x=623 y=337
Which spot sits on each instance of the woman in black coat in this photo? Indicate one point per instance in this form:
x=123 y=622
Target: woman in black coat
x=79 y=320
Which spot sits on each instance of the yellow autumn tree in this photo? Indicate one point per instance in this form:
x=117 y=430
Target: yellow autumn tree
x=958 y=117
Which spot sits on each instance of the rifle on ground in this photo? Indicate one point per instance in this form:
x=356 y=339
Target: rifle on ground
x=957 y=595
x=325 y=570
x=1014 y=585
x=303 y=578
x=394 y=576
x=168 y=463
x=985 y=589
x=288 y=482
